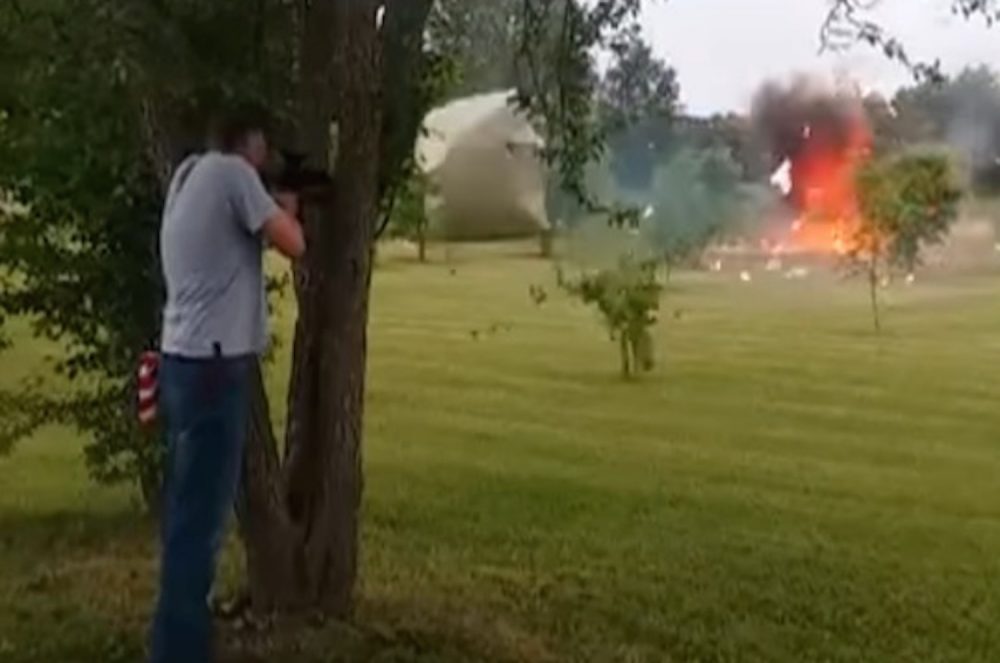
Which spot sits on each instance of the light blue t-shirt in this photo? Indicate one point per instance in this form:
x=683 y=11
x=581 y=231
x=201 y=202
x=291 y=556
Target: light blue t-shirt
x=211 y=252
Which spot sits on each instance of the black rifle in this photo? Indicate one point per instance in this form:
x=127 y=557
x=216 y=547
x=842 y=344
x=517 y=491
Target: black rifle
x=295 y=177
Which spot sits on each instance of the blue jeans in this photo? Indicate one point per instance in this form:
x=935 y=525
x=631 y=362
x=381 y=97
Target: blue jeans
x=204 y=402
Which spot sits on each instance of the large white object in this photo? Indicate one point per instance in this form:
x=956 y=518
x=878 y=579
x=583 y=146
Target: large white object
x=483 y=159
x=781 y=179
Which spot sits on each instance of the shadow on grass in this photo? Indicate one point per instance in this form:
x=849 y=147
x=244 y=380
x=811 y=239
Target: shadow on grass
x=397 y=631
x=41 y=538
x=73 y=586
x=78 y=587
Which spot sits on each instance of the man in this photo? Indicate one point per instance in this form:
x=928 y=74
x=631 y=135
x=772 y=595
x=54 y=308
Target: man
x=216 y=219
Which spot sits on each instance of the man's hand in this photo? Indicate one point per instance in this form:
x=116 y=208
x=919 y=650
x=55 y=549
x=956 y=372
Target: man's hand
x=283 y=231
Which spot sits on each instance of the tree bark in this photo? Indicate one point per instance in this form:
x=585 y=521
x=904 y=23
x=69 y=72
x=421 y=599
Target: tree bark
x=267 y=532
x=300 y=512
x=301 y=516
x=324 y=465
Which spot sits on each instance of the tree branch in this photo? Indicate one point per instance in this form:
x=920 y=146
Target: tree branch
x=846 y=24
x=406 y=96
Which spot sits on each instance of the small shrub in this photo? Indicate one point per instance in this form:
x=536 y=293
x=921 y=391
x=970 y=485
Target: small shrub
x=628 y=298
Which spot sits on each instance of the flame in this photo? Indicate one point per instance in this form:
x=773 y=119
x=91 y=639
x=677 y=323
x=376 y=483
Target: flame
x=823 y=175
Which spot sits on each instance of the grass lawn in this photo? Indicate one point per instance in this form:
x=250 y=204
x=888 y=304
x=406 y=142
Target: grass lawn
x=786 y=486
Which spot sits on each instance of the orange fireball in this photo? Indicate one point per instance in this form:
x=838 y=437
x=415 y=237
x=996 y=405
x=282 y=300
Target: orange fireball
x=823 y=191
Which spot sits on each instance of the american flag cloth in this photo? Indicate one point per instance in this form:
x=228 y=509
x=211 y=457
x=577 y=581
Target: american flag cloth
x=149 y=365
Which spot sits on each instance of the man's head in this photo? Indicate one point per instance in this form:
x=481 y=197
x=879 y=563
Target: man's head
x=243 y=134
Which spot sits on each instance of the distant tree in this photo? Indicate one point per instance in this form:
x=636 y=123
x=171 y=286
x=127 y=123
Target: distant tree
x=883 y=120
x=695 y=197
x=963 y=112
x=483 y=38
x=638 y=85
x=921 y=113
x=960 y=110
x=730 y=132
x=906 y=203
x=638 y=101
x=735 y=133
x=409 y=215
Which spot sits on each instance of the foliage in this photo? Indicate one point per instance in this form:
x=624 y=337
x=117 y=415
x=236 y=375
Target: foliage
x=906 y=203
x=628 y=297
x=21 y=415
x=558 y=83
x=482 y=39
x=643 y=147
x=409 y=215
x=695 y=197
x=638 y=99
x=734 y=133
x=83 y=253
x=637 y=85
x=81 y=151
x=962 y=111
x=437 y=75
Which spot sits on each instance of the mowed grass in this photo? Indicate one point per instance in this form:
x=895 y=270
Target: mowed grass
x=785 y=487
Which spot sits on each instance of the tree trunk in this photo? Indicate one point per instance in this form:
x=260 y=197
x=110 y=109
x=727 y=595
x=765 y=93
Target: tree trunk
x=301 y=516
x=546 y=241
x=873 y=292
x=267 y=532
x=623 y=347
x=422 y=242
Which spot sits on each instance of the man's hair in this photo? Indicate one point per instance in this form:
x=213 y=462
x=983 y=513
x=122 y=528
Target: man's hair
x=229 y=131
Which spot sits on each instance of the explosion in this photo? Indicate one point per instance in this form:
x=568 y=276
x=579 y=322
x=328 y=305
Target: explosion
x=821 y=138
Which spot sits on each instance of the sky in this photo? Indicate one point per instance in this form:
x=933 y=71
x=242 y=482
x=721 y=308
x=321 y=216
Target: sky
x=724 y=49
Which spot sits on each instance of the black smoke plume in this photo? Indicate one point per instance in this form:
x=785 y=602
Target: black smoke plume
x=802 y=118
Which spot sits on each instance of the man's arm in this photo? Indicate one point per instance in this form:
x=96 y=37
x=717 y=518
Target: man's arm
x=260 y=214
x=283 y=230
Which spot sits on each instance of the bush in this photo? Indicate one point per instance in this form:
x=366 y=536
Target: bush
x=628 y=298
